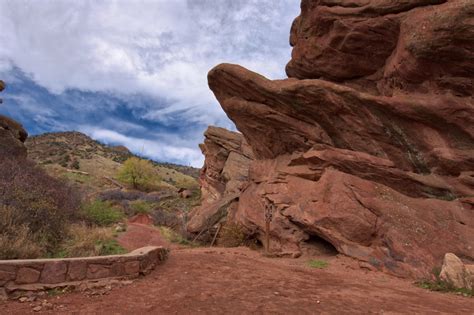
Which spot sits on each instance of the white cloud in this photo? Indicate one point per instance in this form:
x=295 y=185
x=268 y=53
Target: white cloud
x=158 y=50
x=154 y=149
x=161 y=48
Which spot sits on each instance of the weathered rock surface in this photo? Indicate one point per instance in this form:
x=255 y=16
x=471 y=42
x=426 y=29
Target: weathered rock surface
x=387 y=46
x=223 y=176
x=456 y=273
x=12 y=136
x=370 y=144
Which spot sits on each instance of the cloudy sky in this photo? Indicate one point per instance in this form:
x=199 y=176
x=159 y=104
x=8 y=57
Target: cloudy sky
x=134 y=72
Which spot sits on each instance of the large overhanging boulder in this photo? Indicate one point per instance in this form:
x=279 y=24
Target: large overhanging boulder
x=369 y=144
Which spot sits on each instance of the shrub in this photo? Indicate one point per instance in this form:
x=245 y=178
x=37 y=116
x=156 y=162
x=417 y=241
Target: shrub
x=231 y=235
x=89 y=241
x=137 y=172
x=119 y=195
x=111 y=247
x=174 y=237
x=167 y=218
x=102 y=213
x=36 y=204
x=75 y=164
x=16 y=240
x=141 y=207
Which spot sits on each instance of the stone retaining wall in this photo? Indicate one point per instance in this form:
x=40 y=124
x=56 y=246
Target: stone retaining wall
x=41 y=274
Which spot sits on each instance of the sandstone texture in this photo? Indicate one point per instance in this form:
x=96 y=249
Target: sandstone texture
x=12 y=136
x=369 y=145
x=17 y=276
x=391 y=46
x=222 y=178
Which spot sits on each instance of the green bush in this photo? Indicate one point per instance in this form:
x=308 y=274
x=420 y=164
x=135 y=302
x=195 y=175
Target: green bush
x=102 y=213
x=138 y=173
x=110 y=247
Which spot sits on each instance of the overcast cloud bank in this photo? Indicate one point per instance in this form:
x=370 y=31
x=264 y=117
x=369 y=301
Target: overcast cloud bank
x=134 y=72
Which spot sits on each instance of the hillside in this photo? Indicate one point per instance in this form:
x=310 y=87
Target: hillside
x=92 y=165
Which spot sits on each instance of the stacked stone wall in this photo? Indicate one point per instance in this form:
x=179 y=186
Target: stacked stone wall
x=42 y=274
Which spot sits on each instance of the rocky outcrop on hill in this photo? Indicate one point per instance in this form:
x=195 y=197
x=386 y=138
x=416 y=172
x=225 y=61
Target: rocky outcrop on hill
x=12 y=136
x=369 y=144
x=223 y=176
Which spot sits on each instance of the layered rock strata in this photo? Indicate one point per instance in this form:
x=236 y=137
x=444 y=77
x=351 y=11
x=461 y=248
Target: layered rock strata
x=369 y=145
x=222 y=178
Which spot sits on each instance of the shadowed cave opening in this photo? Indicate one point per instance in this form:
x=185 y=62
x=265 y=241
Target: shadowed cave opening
x=318 y=246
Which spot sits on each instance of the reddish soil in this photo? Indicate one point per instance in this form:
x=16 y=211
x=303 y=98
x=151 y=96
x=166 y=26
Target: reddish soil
x=241 y=281
x=140 y=235
x=145 y=219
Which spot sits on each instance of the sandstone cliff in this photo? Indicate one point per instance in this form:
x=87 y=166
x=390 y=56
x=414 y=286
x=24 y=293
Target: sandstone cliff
x=369 y=144
x=223 y=176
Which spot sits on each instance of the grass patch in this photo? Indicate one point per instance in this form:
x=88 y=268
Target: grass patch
x=86 y=241
x=318 y=264
x=57 y=291
x=441 y=286
x=102 y=213
x=174 y=237
x=77 y=178
x=110 y=247
x=142 y=207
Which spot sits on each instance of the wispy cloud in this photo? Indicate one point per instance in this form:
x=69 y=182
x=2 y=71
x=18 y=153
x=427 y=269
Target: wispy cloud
x=153 y=149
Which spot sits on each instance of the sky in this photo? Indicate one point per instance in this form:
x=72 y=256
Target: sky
x=134 y=72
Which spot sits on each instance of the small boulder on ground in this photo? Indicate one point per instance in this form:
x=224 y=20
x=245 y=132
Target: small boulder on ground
x=456 y=273
x=185 y=193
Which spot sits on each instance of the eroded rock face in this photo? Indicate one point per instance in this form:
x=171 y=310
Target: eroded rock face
x=370 y=143
x=223 y=176
x=386 y=46
x=12 y=136
x=378 y=177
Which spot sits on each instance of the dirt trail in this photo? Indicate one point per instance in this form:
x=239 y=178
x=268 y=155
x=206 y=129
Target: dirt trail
x=241 y=281
x=141 y=235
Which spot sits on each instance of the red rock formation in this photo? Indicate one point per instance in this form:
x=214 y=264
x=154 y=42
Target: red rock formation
x=370 y=143
x=419 y=46
x=12 y=136
x=223 y=176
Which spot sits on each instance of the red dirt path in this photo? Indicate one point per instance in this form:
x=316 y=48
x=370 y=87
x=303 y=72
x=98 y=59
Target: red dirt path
x=241 y=281
x=141 y=235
